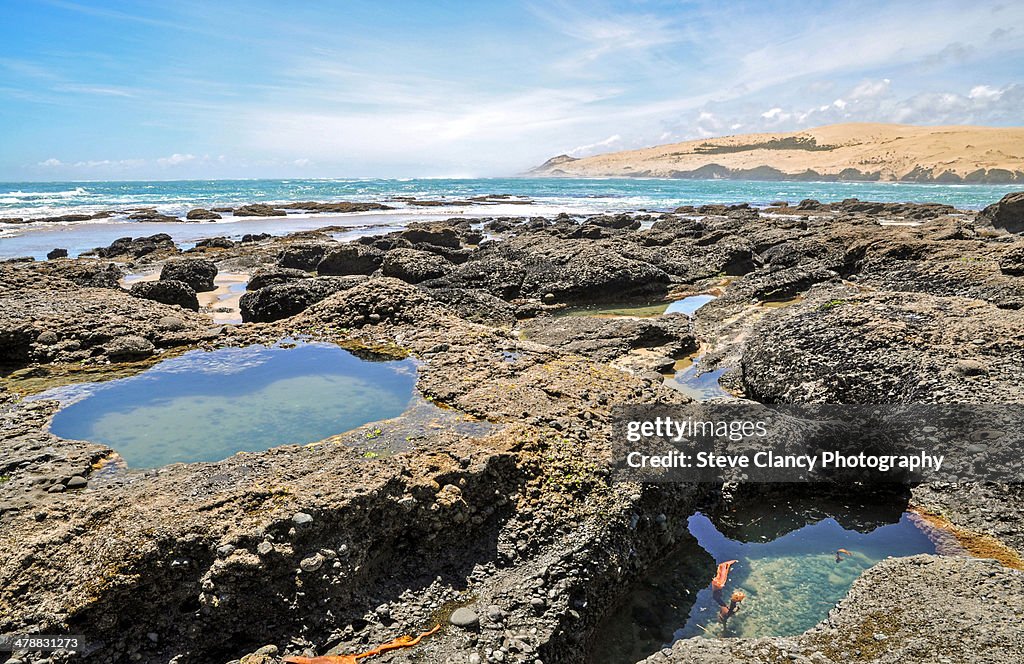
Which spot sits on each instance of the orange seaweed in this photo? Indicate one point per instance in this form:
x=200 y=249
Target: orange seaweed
x=401 y=642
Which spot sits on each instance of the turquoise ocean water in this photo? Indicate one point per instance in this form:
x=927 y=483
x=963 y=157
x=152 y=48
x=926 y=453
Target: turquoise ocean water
x=32 y=200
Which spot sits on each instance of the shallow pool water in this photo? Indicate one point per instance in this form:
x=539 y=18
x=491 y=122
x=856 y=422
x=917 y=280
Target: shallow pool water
x=689 y=305
x=787 y=566
x=207 y=406
x=689 y=378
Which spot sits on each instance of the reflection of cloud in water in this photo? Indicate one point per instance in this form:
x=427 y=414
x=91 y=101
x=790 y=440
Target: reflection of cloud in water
x=224 y=361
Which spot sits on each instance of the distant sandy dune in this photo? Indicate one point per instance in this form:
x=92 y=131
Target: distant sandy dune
x=854 y=151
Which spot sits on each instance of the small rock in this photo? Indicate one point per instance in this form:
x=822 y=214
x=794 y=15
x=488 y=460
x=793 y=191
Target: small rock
x=312 y=563
x=130 y=347
x=47 y=338
x=57 y=253
x=77 y=482
x=464 y=618
x=264 y=548
x=301 y=518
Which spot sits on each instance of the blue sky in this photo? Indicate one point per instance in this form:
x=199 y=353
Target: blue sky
x=188 y=89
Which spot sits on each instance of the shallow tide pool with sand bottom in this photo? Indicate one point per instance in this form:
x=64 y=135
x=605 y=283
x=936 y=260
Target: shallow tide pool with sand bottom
x=209 y=405
x=791 y=574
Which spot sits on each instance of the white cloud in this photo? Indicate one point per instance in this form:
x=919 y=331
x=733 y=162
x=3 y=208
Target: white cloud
x=870 y=89
x=592 y=147
x=772 y=114
x=176 y=159
x=984 y=92
x=51 y=163
x=839 y=103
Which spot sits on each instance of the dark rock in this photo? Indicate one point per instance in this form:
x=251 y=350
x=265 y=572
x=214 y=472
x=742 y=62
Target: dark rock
x=1007 y=214
x=138 y=247
x=151 y=214
x=168 y=291
x=414 y=266
x=57 y=253
x=350 y=258
x=436 y=235
x=339 y=207
x=570 y=270
x=76 y=482
x=255 y=237
x=266 y=276
x=303 y=256
x=198 y=273
x=215 y=243
x=259 y=210
x=282 y=300
x=476 y=306
x=201 y=213
x=372 y=301
x=845 y=346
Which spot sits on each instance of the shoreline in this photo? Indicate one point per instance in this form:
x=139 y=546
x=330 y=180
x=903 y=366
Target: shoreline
x=521 y=527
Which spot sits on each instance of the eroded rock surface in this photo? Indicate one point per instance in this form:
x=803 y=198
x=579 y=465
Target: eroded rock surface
x=501 y=506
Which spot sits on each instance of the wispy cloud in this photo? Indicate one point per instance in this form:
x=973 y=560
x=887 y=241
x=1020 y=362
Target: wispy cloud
x=479 y=88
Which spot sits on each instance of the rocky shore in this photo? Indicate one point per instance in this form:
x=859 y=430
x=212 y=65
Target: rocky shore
x=149 y=214
x=512 y=538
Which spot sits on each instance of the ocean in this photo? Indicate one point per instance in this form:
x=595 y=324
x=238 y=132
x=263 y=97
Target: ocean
x=31 y=200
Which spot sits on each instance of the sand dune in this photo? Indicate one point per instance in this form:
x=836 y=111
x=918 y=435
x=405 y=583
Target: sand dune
x=854 y=151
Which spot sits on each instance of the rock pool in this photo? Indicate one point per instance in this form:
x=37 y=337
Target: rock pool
x=209 y=405
x=791 y=575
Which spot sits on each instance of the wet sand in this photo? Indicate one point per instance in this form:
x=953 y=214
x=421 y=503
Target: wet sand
x=222 y=304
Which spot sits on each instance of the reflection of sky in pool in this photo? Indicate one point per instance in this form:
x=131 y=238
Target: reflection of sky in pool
x=791 y=582
x=689 y=305
x=206 y=406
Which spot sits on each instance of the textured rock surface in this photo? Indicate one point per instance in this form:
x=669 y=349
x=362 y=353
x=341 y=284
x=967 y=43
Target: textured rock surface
x=198 y=273
x=167 y=291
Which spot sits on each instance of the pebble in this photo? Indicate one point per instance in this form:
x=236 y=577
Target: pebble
x=312 y=563
x=77 y=482
x=301 y=518
x=465 y=618
x=264 y=548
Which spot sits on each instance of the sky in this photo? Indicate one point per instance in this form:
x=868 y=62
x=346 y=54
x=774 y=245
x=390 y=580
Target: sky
x=230 y=89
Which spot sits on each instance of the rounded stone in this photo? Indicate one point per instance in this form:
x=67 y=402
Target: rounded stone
x=464 y=618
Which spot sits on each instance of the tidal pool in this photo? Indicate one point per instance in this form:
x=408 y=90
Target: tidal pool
x=687 y=305
x=207 y=406
x=787 y=566
x=688 y=377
